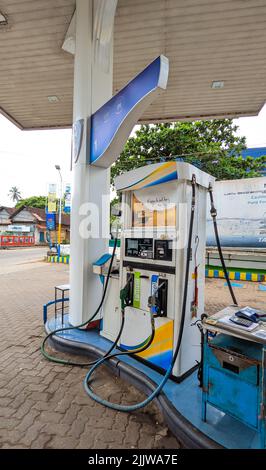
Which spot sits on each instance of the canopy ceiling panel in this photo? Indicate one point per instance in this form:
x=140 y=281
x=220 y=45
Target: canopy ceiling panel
x=205 y=41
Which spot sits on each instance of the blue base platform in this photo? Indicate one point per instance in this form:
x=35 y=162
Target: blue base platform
x=180 y=403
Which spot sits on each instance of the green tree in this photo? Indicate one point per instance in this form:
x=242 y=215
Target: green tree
x=14 y=194
x=114 y=217
x=213 y=146
x=33 y=201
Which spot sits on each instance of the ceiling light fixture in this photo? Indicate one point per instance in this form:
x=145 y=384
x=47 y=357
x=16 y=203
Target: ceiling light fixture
x=217 y=85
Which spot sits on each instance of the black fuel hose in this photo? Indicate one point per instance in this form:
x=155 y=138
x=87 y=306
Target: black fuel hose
x=213 y=212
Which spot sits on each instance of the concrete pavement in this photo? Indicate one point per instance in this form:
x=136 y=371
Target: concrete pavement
x=43 y=405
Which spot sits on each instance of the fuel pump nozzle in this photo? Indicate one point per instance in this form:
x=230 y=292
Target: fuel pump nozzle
x=125 y=291
x=154 y=302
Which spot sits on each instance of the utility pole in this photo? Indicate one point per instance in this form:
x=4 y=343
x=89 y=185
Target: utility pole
x=60 y=211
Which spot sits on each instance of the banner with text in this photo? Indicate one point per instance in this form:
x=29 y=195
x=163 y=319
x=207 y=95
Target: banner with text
x=241 y=213
x=51 y=204
x=67 y=205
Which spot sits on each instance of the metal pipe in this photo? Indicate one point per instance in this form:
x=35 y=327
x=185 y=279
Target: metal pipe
x=60 y=211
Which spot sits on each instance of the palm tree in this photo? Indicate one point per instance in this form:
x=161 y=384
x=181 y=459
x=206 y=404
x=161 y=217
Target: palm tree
x=14 y=194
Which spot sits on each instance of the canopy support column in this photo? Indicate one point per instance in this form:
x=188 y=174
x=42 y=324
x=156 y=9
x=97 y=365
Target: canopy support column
x=92 y=88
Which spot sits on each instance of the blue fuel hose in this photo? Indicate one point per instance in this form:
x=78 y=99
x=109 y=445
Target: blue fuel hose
x=155 y=393
x=116 y=406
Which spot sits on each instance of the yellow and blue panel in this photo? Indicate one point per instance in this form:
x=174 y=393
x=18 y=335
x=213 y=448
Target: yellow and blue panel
x=160 y=352
x=165 y=173
x=58 y=259
x=236 y=275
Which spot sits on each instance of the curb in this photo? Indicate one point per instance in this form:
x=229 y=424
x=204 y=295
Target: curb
x=58 y=259
x=235 y=275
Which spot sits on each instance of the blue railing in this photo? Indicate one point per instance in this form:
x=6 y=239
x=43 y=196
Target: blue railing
x=52 y=302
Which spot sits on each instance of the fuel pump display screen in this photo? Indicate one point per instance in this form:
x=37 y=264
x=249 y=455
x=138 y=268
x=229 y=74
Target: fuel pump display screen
x=163 y=250
x=132 y=247
x=139 y=248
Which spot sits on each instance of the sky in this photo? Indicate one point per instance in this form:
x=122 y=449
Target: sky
x=28 y=158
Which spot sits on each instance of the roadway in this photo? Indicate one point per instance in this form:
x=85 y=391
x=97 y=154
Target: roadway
x=19 y=259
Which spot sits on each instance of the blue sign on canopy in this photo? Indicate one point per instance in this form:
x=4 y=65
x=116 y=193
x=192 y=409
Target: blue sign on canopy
x=112 y=123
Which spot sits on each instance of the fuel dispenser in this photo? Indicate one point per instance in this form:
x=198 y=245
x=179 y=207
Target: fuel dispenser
x=156 y=204
x=153 y=293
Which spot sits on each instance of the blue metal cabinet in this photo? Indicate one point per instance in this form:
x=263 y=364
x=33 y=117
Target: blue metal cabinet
x=233 y=380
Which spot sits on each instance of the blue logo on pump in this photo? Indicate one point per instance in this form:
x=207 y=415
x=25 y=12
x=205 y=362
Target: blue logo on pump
x=154 y=289
x=77 y=136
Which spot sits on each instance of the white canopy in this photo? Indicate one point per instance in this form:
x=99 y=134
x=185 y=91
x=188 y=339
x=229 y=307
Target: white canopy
x=206 y=41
